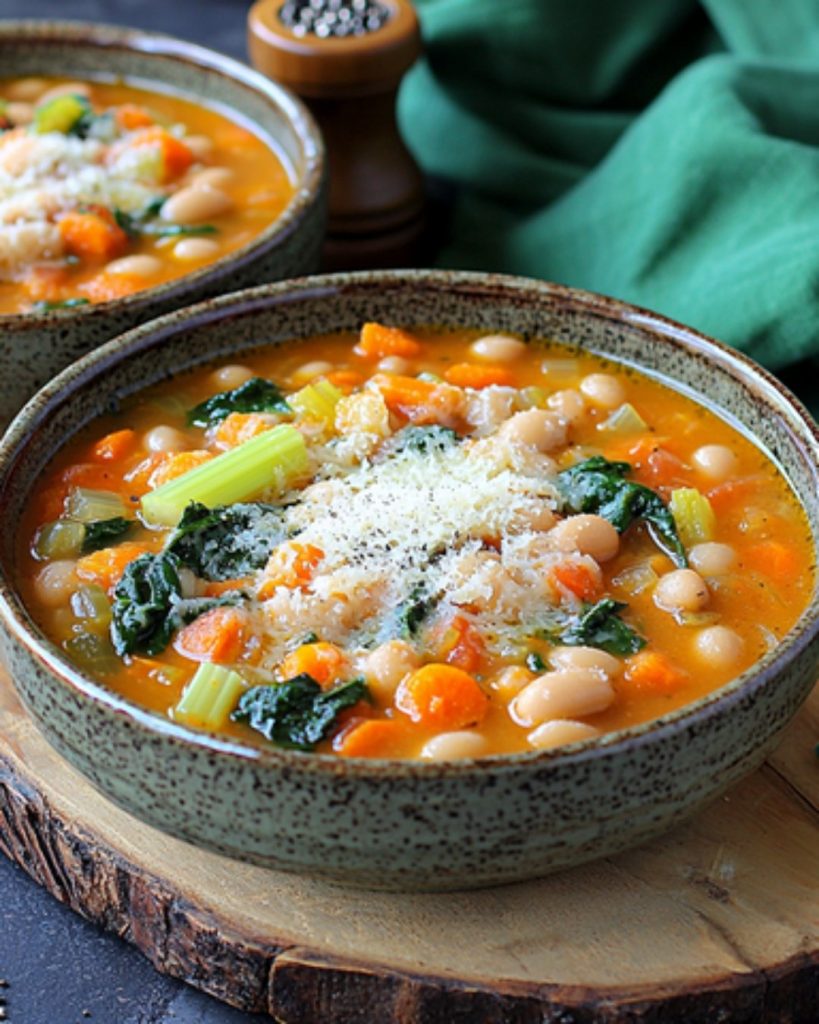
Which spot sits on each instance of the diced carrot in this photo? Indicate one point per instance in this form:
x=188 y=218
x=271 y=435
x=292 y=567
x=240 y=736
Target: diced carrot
x=138 y=476
x=239 y=427
x=322 y=661
x=291 y=565
x=774 y=559
x=374 y=737
x=378 y=341
x=105 y=567
x=88 y=474
x=92 y=234
x=130 y=117
x=727 y=496
x=420 y=401
x=216 y=636
x=175 y=156
x=107 y=287
x=472 y=375
x=462 y=645
x=345 y=380
x=215 y=588
x=580 y=578
x=441 y=696
x=114 y=446
x=177 y=464
x=652 y=672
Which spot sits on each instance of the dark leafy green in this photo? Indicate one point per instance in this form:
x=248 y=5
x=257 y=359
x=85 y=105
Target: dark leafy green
x=145 y=223
x=405 y=621
x=101 y=532
x=144 y=601
x=228 y=541
x=599 y=486
x=297 y=713
x=46 y=307
x=255 y=395
x=424 y=439
x=600 y=625
x=534 y=662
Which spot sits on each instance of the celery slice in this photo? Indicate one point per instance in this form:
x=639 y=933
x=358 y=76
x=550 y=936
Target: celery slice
x=624 y=420
x=90 y=603
x=60 y=539
x=60 y=114
x=316 y=401
x=271 y=460
x=92 y=506
x=209 y=697
x=693 y=516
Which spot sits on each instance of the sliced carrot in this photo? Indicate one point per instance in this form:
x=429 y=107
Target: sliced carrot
x=374 y=737
x=129 y=116
x=652 y=672
x=92 y=234
x=442 y=697
x=216 y=636
x=345 y=380
x=215 y=588
x=462 y=645
x=291 y=565
x=239 y=427
x=105 y=567
x=322 y=661
x=378 y=341
x=733 y=493
x=115 y=446
x=177 y=464
x=138 y=475
x=420 y=401
x=88 y=474
x=175 y=157
x=580 y=578
x=774 y=559
x=107 y=287
x=472 y=375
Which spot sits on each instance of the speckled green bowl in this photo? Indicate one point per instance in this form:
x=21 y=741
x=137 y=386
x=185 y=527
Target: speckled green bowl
x=35 y=346
x=389 y=824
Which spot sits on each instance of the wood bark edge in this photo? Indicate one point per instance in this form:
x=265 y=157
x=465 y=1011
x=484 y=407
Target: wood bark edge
x=296 y=985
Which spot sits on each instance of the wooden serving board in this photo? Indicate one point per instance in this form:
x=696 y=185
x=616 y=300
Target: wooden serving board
x=716 y=921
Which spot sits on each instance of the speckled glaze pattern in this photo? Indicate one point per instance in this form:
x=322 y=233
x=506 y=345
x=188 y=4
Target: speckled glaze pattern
x=405 y=825
x=34 y=347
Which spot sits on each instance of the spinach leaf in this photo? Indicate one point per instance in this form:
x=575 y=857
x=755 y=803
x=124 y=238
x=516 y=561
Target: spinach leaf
x=599 y=486
x=46 y=307
x=100 y=532
x=228 y=541
x=405 y=620
x=424 y=439
x=144 y=223
x=296 y=713
x=534 y=662
x=255 y=395
x=144 y=601
x=600 y=625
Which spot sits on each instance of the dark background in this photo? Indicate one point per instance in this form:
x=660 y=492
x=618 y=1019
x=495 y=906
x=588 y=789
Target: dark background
x=59 y=968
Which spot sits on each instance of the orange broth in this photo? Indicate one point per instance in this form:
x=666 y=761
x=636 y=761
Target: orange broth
x=756 y=514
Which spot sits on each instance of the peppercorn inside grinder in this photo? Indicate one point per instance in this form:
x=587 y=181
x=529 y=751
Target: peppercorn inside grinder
x=346 y=59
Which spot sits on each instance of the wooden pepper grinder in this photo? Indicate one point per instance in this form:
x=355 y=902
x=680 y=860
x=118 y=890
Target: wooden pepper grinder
x=346 y=58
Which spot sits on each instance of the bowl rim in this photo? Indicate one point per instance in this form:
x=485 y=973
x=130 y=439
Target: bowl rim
x=308 y=185
x=792 y=415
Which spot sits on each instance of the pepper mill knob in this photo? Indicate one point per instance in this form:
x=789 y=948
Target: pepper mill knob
x=346 y=59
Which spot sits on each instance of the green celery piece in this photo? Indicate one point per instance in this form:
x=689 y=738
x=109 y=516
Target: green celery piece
x=269 y=460
x=317 y=401
x=60 y=114
x=209 y=697
x=693 y=516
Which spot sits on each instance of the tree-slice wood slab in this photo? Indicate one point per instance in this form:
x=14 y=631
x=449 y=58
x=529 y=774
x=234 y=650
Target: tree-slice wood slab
x=716 y=921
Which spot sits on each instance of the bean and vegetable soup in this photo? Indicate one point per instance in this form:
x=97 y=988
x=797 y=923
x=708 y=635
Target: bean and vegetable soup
x=106 y=189
x=414 y=543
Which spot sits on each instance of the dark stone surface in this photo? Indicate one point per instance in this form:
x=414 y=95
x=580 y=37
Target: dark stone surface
x=60 y=969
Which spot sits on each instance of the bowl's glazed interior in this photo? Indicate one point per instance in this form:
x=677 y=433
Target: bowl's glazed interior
x=404 y=824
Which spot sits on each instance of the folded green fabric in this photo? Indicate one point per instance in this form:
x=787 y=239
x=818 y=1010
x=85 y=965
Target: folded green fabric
x=665 y=152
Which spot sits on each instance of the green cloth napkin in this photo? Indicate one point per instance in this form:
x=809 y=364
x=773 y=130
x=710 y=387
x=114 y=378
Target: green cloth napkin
x=665 y=152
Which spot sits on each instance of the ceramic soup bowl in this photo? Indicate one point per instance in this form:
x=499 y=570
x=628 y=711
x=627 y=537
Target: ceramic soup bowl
x=394 y=824
x=35 y=346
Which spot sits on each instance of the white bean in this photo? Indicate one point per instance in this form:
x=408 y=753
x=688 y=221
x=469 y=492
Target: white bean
x=603 y=389
x=20 y=113
x=387 y=666
x=497 y=348
x=569 y=694
x=56 y=582
x=195 y=249
x=588 y=534
x=165 y=439
x=540 y=519
x=194 y=205
x=719 y=646
x=585 y=657
x=231 y=376
x=27 y=89
x=536 y=428
x=715 y=461
x=139 y=266
x=395 y=364
x=307 y=371
x=681 y=590
x=712 y=559
x=69 y=89
x=452 y=746
x=215 y=177
x=560 y=732
x=511 y=681
x=568 y=403
x=200 y=145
